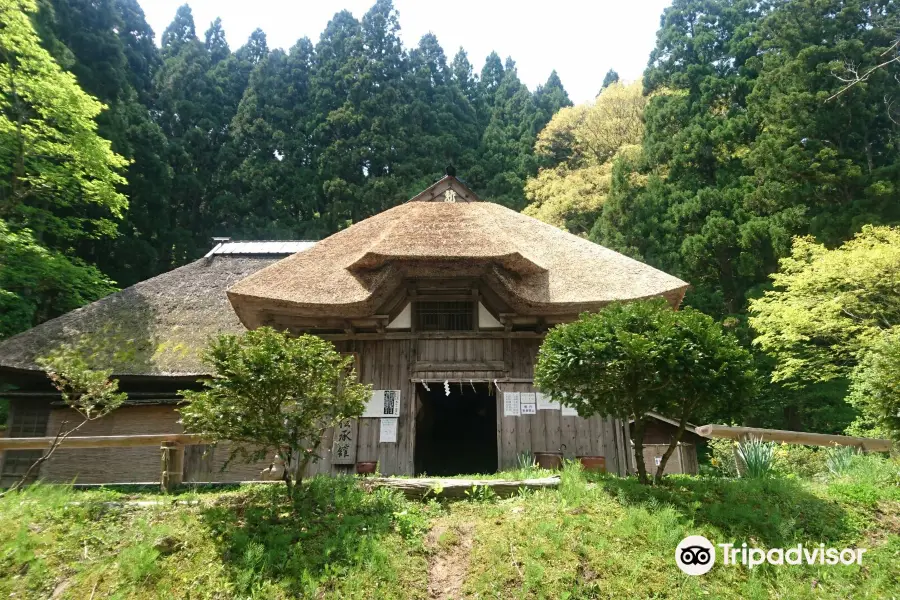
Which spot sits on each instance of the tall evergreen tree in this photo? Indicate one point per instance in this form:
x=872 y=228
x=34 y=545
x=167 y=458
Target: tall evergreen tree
x=549 y=98
x=505 y=154
x=610 y=78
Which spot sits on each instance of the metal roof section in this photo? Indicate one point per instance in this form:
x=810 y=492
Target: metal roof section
x=251 y=247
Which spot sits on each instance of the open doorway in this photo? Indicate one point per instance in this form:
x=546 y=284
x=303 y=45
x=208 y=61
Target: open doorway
x=457 y=433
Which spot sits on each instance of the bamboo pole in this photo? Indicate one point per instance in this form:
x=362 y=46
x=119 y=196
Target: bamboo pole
x=792 y=437
x=101 y=441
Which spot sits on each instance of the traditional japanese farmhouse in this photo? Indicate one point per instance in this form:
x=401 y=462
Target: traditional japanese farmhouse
x=443 y=300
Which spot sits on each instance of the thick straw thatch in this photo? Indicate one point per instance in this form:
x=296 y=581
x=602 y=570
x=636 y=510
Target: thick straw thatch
x=537 y=268
x=156 y=327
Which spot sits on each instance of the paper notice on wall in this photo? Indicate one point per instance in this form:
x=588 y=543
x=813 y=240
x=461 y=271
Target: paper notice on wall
x=528 y=403
x=383 y=403
x=388 y=432
x=546 y=402
x=512 y=404
x=569 y=411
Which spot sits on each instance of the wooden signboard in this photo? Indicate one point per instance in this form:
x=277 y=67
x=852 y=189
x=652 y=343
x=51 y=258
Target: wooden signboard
x=343 y=448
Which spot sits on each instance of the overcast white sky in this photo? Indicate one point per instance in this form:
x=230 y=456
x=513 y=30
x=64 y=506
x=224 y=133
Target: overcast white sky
x=581 y=39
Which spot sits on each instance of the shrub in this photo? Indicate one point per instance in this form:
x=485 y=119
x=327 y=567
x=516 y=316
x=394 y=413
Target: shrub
x=722 y=456
x=802 y=461
x=757 y=458
x=274 y=393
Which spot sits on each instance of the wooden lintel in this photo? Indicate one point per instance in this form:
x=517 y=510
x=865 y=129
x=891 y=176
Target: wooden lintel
x=432 y=335
x=490 y=365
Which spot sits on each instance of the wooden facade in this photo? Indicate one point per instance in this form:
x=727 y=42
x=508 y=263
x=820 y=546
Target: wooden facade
x=391 y=364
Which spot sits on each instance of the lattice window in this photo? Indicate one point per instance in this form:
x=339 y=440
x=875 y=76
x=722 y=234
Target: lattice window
x=29 y=422
x=26 y=422
x=444 y=316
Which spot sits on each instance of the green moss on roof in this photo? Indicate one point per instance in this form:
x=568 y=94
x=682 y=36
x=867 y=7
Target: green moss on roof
x=156 y=327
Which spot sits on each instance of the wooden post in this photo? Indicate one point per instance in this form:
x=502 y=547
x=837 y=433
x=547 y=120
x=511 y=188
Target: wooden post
x=171 y=466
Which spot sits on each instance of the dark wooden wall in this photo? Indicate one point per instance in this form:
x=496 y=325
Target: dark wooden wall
x=400 y=364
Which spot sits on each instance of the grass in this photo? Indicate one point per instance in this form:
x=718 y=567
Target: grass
x=596 y=536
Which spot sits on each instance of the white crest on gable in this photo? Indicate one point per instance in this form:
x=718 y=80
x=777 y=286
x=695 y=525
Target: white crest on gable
x=450 y=195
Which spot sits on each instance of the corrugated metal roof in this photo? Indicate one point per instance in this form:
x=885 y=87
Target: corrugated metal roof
x=245 y=247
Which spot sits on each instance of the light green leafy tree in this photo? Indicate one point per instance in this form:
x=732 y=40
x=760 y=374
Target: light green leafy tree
x=875 y=388
x=58 y=179
x=271 y=392
x=580 y=143
x=56 y=173
x=630 y=359
x=829 y=306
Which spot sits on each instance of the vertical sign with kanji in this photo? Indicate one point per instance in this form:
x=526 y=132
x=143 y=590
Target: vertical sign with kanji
x=343 y=448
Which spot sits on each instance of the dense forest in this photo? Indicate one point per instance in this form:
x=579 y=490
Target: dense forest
x=754 y=122
x=248 y=143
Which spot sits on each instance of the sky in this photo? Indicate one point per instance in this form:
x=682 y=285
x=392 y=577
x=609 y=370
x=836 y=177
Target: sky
x=581 y=39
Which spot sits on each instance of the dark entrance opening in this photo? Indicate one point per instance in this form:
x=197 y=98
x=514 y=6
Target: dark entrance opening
x=456 y=434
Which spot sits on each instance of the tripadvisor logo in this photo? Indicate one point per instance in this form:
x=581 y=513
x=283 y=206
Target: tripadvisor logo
x=696 y=555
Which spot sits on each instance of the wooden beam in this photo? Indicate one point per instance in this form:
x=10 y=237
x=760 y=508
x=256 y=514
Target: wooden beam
x=432 y=335
x=793 y=437
x=417 y=489
x=490 y=365
x=102 y=441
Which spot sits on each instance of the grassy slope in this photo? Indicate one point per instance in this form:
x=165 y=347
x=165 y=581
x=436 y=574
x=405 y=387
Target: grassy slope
x=607 y=538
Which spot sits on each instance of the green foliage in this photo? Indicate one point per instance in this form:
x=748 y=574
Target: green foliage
x=271 y=392
x=526 y=460
x=630 y=359
x=799 y=461
x=829 y=305
x=89 y=392
x=839 y=459
x=37 y=283
x=875 y=387
x=748 y=148
x=481 y=493
x=58 y=175
x=721 y=456
x=757 y=458
x=578 y=147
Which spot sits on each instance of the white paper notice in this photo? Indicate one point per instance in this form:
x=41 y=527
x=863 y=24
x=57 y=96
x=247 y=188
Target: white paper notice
x=384 y=403
x=388 y=432
x=568 y=411
x=545 y=402
x=528 y=403
x=512 y=404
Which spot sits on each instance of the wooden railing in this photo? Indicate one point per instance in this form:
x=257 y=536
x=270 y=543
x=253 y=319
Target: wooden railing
x=171 y=447
x=792 y=437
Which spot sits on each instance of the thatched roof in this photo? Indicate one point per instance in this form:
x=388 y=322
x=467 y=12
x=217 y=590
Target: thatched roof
x=155 y=327
x=536 y=267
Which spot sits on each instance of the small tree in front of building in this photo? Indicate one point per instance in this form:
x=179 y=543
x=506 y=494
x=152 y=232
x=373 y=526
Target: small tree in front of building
x=91 y=394
x=630 y=359
x=271 y=392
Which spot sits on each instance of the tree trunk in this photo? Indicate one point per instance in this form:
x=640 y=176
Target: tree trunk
x=638 y=439
x=682 y=424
